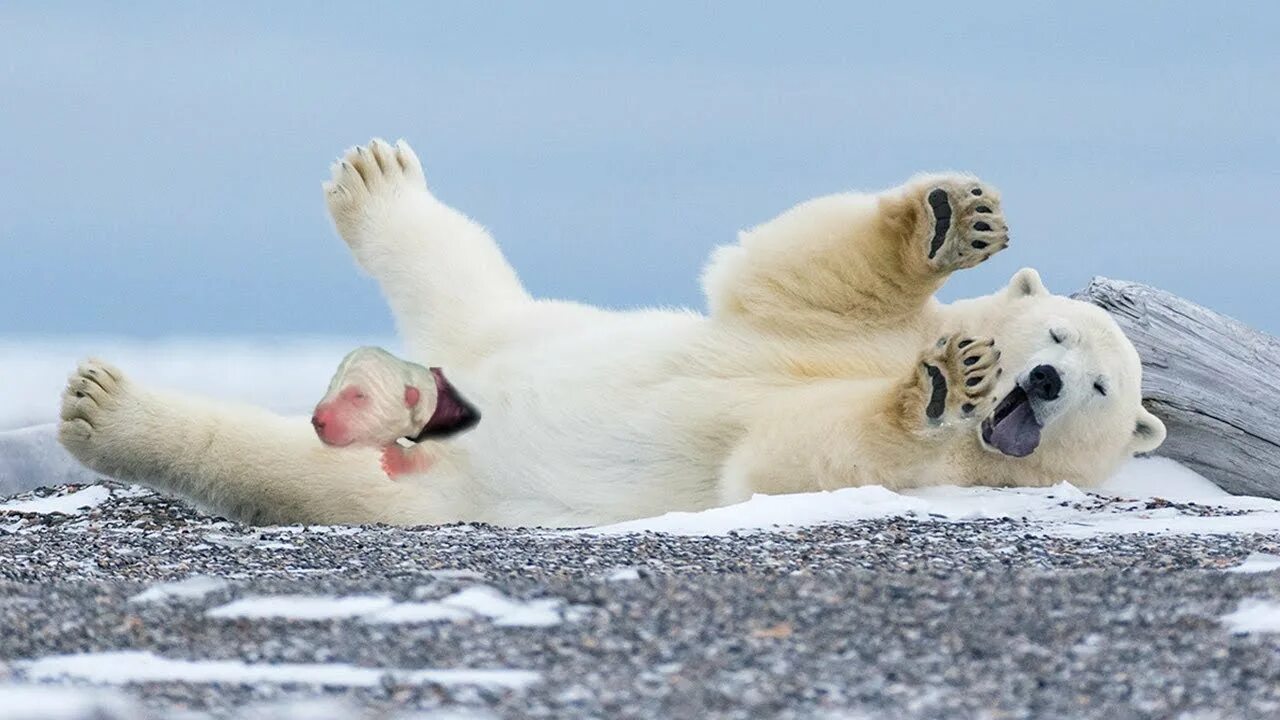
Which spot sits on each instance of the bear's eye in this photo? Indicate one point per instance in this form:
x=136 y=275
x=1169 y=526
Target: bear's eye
x=1102 y=389
x=1056 y=337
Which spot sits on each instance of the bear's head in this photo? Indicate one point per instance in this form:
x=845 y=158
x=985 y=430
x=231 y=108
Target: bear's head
x=1071 y=392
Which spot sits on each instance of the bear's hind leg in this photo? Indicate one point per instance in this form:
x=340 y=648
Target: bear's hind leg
x=241 y=462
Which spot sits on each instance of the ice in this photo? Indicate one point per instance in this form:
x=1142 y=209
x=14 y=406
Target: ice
x=1254 y=616
x=128 y=667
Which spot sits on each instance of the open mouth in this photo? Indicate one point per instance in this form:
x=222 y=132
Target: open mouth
x=1012 y=428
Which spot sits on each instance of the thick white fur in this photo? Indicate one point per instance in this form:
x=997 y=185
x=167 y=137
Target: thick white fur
x=805 y=375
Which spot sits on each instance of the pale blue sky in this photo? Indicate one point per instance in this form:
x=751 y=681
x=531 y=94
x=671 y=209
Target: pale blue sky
x=163 y=160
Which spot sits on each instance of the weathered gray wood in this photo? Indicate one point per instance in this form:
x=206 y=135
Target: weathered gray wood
x=1213 y=381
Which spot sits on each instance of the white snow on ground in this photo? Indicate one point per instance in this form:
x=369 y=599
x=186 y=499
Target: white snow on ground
x=1061 y=509
x=1254 y=616
x=1256 y=563
x=192 y=588
x=1163 y=478
x=625 y=574
x=303 y=607
x=23 y=702
x=479 y=602
x=126 y=667
x=68 y=504
x=490 y=603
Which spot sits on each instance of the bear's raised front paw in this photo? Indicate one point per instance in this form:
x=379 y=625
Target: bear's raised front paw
x=964 y=222
x=957 y=377
x=95 y=395
x=368 y=184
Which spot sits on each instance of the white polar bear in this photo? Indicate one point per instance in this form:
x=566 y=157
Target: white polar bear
x=825 y=362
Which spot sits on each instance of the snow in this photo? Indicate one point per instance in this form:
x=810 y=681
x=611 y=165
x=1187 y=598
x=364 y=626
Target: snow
x=68 y=504
x=192 y=588
x=477 y=602
x=490 y=603
x=626 y=574
x=126 y=667
x=1254 y=616
x=24 y=702
x=1256 y=563
x=1060 y=510
x=302 y=607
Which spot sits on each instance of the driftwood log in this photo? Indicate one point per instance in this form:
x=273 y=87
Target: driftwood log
x=1213 y=381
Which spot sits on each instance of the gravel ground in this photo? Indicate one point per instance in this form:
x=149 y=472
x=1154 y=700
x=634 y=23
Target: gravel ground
x=894 y=618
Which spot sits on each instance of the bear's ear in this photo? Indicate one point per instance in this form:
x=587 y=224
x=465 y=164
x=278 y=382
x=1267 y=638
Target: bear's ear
x=1148 y=432
x=1026 y=283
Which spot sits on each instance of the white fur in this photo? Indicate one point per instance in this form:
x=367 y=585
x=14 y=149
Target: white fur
x=801 y=378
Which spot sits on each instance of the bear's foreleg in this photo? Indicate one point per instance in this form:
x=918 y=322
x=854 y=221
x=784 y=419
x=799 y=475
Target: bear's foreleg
x=442 y=274
x=870 y=260
x=845 y=434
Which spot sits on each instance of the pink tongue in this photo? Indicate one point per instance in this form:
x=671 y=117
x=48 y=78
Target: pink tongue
x=1018 y=434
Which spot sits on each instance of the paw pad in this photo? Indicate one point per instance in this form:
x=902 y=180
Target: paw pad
x=968 y=226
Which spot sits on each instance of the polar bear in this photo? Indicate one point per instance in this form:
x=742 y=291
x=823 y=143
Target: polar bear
x=824 y=361
x=400 y=407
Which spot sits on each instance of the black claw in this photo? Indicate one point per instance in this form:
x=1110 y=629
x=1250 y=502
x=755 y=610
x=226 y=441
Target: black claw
x=971 y=360
x=967 y=408
x=976 y=191
x=973 y=381
x=965 y=343
x=981 y=226
x=979 y=244
x=982 y=209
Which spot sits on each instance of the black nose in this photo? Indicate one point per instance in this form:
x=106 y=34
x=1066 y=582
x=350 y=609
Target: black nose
x=1044 y=382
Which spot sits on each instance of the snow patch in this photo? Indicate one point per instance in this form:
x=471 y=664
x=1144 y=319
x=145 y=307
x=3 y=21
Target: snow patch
x=1128 y=503
x=25 y=702
x=626 y=574
x=479 y=602
x=1256 y=563
x=68 y=504
x=122 y=668
x=192 y=588
x=1254 y=616
x=302 y=607
x=490 y=603
x=1162 y=478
